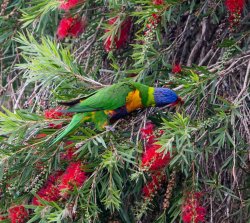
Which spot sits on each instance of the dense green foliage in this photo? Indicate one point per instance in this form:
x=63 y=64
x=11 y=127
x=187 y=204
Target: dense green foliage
x=208 y=136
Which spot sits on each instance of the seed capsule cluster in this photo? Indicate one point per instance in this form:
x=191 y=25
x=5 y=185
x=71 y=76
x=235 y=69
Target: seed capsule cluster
x=37 y=182
x=4 y=6
x=169 y=190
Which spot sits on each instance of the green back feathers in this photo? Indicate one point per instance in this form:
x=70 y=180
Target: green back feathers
x=108 y=98
x=111 y=97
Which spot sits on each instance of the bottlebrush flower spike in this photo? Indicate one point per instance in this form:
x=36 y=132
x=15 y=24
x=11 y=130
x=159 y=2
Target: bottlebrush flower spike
x=235 y=6
x=77 y=28
x=147 y=131
x=53 y=113
x=2 y=218
x=151 y=159
x=68 y=4
x=158 y=2
x=55 y=177
x=151 y=187
x=176 y=68
x=55 y=126
x=192 y=211
x=64 y=27
x=68 y=155
x=70 y=27
x=18 y=214
x=50 y=191
x=154 y=160
x=72 y=177
x=152 y=24
x=120 y=38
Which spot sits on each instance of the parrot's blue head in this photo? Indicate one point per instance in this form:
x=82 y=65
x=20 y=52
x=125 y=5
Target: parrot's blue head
x=165 y=96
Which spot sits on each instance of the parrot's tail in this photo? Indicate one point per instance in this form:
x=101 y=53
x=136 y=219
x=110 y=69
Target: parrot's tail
x=75 y=123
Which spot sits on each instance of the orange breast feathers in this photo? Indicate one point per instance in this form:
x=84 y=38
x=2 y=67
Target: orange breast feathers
x=133 y=101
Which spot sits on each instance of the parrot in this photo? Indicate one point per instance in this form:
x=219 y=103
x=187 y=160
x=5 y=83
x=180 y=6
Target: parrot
x=113 y=102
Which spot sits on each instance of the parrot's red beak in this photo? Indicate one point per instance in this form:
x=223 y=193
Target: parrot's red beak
x=179 y=101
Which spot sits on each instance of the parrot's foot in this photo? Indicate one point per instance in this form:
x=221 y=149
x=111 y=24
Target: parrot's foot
x=110 y=128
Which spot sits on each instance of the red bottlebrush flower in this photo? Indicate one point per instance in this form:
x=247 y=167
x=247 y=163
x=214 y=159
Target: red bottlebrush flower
x=67 y=143
x=69 y=154
x=158 y=2
x=151 y=187
x=68 y=4
x=154 y=160
x=55 y=126
x=153 y=22
x=50 y=191
x=41 y=135
x=151 y=140
x=18 y=214
x=155 y=16
x=54 y=177
x=147 y=131
x=192 y=212
x=64 y=27
x=73 y=176
x=121 y=38
x=235 y=6
x=53 y=113
x=161 y=132
x=2 y=218
x=151 y=159
x=176 y=69
x=77 y=28
x=70 y=27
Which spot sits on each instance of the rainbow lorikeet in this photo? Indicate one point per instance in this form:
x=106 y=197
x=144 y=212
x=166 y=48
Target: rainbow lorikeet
x=116 y=101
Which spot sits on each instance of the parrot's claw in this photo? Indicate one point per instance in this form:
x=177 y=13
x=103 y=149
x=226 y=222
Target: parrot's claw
x=110 y=128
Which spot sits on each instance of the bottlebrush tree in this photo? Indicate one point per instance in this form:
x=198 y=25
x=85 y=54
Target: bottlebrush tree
x=170 y=164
